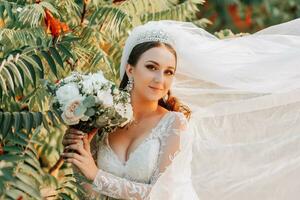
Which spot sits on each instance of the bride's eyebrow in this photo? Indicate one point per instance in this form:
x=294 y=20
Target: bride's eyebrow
x=156 y=63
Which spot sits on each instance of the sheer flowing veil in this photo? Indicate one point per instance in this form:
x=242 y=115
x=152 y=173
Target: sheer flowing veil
x=243 y=140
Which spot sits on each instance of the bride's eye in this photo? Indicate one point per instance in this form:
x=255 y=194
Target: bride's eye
x=151 y=67
x=169 y=72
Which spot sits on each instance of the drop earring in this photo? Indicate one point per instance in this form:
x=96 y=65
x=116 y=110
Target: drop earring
x=165 y=98
x=129 y=85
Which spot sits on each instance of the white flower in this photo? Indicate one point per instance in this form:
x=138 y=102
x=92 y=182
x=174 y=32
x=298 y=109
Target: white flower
x=105 y=97
x=73 y=77
x=116 y=91
x=93 y=82
x=69 y=116
x=125 y=111
x=99 y=77
x=67 y=93
x=87 y=86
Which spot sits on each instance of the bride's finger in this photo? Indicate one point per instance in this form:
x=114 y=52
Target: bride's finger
x=78 y=147
x=73 y=155
x=75 y=162
x=66 y=142
x=76 y=131
x=73 y=136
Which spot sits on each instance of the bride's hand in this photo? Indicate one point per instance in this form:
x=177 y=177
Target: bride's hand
x=82 y=156
x=82 y=159
x=72 y=136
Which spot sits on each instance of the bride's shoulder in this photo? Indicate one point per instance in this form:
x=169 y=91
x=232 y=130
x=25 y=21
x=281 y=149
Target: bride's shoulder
x=177 y=120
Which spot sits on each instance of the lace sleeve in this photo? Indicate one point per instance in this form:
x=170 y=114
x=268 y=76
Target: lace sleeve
x=170 y=143
x=121 y=188
x=116 y=187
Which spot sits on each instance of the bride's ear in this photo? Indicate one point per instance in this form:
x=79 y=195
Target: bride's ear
x=129 y=70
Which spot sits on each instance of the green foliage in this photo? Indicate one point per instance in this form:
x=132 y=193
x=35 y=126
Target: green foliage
x=273 y=12
x=249 y=15
x=22 y=173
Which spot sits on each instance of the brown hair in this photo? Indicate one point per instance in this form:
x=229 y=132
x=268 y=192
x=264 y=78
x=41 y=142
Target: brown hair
x=172 y=103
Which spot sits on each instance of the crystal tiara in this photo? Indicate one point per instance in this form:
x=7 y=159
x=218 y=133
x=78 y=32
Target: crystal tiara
x=153 y=35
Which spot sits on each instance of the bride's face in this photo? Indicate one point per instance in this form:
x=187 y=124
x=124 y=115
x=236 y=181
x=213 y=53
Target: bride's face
x=154 y=73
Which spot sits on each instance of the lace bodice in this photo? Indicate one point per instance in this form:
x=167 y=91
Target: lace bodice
x=133 y=179
x=140 y=165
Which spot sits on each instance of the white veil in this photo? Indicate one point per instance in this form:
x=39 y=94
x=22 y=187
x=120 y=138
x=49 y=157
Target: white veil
x=245 y=99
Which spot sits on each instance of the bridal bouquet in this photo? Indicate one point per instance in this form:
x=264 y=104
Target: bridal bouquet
x=88 y=101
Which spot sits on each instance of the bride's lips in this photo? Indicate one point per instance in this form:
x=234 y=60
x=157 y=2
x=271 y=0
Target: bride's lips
x=157 y=89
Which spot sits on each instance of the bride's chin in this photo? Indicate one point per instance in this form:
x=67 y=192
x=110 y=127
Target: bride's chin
x=150 y=96
x=153 y=97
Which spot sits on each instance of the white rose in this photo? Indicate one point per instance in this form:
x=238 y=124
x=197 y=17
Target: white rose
x=69 y=116
x=105 y=97
x=67 y=93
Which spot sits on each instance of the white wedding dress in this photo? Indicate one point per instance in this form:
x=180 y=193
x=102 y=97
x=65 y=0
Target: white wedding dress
x=134 y=178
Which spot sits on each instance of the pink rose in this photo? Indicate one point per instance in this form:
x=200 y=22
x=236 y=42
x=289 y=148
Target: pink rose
x=69 y=116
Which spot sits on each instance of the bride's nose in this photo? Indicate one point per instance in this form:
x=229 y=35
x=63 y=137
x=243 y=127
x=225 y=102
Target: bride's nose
x=159 y=77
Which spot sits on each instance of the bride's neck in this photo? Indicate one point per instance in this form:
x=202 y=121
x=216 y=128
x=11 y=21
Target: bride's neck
x=142 y=107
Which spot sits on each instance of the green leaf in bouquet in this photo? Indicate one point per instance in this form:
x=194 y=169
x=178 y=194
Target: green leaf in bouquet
x=80 y=110
x=56 y=107
x=90 y=112
x=49 y=86
x=117 y=115
x=111 y=112
x=113 y=87
x=114 y=122
x=122 y=120
x=89 y=101
x=101 y=122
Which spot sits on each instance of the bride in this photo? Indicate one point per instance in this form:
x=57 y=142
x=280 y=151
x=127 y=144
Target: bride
x=237 y=139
